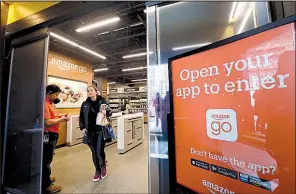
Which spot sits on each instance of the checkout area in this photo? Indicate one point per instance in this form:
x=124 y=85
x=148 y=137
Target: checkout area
x=128 y=129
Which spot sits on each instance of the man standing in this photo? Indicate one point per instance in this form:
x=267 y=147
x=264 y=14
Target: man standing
x=52 y=119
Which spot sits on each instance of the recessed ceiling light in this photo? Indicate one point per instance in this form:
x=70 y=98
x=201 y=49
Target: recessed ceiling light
x=136 y=24
x=102 y=69
x=98 y=24
x=134 y=69
x=76 y=45
x=138 y=80
x=118 y=29
x=135 y=55
x=102 y=33
x=64 y=39
x=92 y=52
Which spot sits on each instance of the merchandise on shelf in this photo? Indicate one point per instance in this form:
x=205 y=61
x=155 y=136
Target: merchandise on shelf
x=138 y=106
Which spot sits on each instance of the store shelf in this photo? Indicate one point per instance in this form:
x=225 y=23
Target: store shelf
x=129 y=92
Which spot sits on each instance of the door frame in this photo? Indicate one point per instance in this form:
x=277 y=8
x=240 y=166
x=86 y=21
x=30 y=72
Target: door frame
x=42 y=34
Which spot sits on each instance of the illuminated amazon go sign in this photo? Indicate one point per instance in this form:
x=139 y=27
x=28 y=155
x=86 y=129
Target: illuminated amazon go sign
x=67 y=66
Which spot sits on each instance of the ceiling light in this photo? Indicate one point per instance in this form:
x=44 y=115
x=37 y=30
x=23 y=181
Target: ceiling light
x=190 y=46
x=111 y=83
x=64 y=39
x=134 y=69
x=98 y=24
x=92 y=52
x=233 y=11
x=136 y=24
x=102 y=69
x=138 y=80
x=135 y=55
x=242 y=26
x=104 y=33
x=118 y=29
x=76 y=45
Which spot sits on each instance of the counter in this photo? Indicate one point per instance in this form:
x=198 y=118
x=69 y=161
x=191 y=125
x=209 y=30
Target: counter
x=130 y=131
x=74 y=134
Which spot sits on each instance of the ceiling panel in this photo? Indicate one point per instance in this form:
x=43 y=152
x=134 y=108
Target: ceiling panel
x=113 y=41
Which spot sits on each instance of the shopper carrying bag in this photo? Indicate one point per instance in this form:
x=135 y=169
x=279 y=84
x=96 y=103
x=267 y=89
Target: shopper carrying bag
x=92 y=121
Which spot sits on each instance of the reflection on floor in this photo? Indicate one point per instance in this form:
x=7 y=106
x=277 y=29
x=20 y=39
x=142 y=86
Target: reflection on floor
x=127 y=173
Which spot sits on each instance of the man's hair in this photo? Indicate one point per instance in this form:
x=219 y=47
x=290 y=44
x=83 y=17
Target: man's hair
x=52 y=89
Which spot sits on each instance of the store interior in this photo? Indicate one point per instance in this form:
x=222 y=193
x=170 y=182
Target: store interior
x=107 y=50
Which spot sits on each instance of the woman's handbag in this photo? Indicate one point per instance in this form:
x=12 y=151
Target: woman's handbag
x=111 y=132
x=102 y=119
x=106 y=135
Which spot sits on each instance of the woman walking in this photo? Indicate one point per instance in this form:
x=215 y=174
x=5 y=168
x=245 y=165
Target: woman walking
x=94 y=133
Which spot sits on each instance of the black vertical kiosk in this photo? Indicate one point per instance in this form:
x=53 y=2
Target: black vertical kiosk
x=23 y=139
x=219 y=95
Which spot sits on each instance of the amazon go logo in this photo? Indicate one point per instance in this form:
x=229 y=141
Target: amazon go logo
x=222 y=124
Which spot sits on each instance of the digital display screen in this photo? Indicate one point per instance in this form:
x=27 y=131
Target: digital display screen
x=234 y=115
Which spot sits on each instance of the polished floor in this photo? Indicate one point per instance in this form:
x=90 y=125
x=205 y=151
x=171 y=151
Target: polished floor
x=127 y=173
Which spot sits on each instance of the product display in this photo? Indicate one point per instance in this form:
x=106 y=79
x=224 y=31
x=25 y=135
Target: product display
x=132 y=101
x=116 y=103
x=136 y=106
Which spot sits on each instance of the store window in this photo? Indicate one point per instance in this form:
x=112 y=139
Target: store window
x=177 y=28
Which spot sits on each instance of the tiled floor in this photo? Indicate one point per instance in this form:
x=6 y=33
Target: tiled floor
x=127 y=173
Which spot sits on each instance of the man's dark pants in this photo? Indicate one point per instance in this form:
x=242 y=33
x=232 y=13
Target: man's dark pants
x=48 y=152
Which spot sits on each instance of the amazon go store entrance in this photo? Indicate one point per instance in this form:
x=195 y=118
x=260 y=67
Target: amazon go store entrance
x=96 y=59
x=206 y=104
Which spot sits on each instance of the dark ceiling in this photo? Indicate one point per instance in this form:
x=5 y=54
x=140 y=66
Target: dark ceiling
x=126 y=36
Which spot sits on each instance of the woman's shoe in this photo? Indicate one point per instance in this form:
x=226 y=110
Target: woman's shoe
x=53 y=189
x=104 y=172
x=97 y=177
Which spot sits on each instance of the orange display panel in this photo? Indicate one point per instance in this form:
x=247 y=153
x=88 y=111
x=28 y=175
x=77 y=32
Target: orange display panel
x=234 y=115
